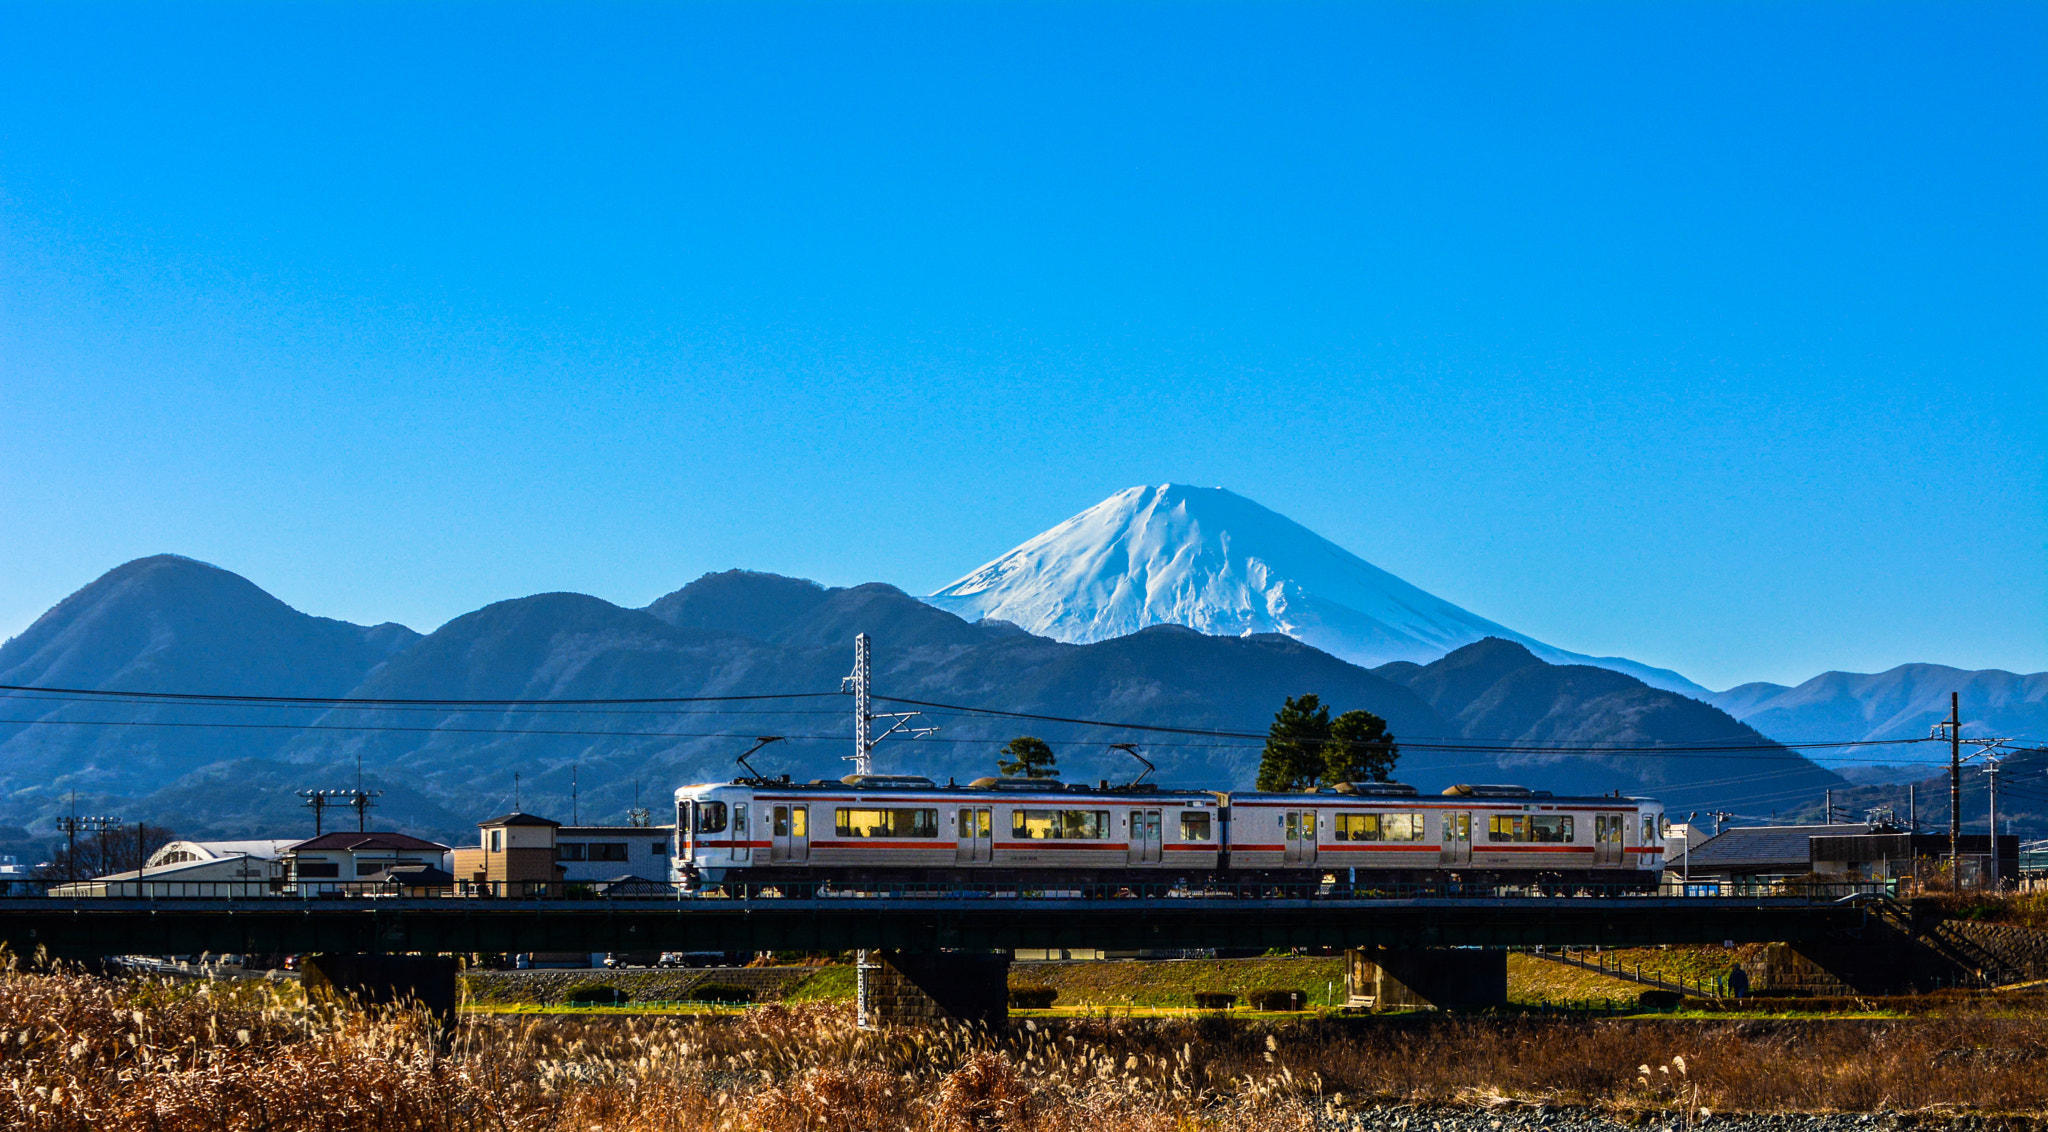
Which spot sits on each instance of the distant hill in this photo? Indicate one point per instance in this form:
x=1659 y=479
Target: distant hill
x=1902 y=703
x=1498 y=691
x=169 y=624
x=166 y=624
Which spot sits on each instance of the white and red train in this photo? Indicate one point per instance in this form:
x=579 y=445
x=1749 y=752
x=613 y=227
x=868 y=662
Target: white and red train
x=995 y=834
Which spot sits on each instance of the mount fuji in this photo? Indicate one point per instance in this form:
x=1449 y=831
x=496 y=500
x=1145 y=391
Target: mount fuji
x=1216 y=562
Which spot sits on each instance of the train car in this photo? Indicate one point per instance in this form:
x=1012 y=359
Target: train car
x=1369 y=833
x=1021 y=834
x=992 y=834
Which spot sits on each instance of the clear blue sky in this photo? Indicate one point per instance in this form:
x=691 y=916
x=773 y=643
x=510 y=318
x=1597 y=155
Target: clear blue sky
x=1709 y=335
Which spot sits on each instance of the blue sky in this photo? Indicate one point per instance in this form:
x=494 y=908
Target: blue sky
x=1709 y=335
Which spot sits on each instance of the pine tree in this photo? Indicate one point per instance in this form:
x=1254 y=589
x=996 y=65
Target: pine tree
x=1029 y=757
x=1360 y=749
x=1293 y=759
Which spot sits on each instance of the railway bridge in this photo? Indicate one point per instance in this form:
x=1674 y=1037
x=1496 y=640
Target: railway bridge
x=942 y=954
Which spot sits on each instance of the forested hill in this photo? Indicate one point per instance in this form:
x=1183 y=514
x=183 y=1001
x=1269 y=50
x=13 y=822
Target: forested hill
x=171 y=624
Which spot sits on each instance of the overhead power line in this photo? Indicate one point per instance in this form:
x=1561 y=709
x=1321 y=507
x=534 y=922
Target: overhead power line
x=196 y=697
x=1414 y=744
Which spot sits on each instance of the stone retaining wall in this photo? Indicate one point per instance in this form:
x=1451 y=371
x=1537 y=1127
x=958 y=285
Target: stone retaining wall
x=662 y=984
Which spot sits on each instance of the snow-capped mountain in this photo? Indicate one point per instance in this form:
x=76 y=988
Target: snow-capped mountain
x=1214 y=561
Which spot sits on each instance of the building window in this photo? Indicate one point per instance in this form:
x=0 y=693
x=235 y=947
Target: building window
x=311 y=869
x=608 y=851
x=497 y=841
x=568 y=851
x=1196 y=827
x=885 y=823
x=1059 y=825
x=659 y=848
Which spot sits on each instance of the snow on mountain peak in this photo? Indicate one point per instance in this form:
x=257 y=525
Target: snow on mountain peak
x=1212 y=560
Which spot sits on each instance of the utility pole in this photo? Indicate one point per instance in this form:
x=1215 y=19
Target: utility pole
x=574 y=814
x=1954 y=725
x=864 y=740
x=864 y=717
x=98 y=824
x=1829 y=819
x=639 y=816
x=1992 y=757
x=1912 y=807
x=1991 y=771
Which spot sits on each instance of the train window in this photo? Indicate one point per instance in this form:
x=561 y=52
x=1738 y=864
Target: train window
x=1550 y=827
x=1649 y=829
x=1059 y=825
x=885 y=823
x=1195 y=827
x=1401 y=827
x=710 y=817
x=1358 y=827
x=1503 y=827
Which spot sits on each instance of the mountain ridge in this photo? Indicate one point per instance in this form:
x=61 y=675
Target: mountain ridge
x=730 y=633
x=1902 y=702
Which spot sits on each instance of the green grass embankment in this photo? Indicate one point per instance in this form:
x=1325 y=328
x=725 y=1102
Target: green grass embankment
x=1171 y=984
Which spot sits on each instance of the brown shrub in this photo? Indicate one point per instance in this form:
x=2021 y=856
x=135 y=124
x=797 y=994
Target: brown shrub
x=81 y=1053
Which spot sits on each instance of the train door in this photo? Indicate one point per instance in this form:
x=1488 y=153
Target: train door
x=976 y=833
x=1457 y=838
x=742 y=843
x=686 y=836
x=1299 y=836
x=789 y=835
x=1607 y=838
x=1145 y=837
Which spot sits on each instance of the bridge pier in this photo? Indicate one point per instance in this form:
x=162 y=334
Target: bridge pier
x=1426 y=978
x=381 y=980
x=946 y=986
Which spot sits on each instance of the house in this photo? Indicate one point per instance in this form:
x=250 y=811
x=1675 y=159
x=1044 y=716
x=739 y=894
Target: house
x=352 y=862
x=1750 y=858
x=514 y=856
x=1760 y=857
x=594 y=853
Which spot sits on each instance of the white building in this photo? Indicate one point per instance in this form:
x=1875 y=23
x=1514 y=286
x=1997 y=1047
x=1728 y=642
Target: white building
x=594 y=853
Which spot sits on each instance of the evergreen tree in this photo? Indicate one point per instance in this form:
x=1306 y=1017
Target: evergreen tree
x=1360 y=749
x=1028 y=758
x=1293 y=759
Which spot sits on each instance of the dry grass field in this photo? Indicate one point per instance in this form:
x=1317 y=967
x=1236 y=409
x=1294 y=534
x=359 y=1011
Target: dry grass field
x=85 y=1053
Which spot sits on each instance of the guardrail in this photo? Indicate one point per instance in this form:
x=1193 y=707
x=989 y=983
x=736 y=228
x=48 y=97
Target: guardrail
x=641 y=892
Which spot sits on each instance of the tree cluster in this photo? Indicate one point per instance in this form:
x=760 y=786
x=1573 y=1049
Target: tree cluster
x=118 y=850
x=1306 y=748
x=1027 y=756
